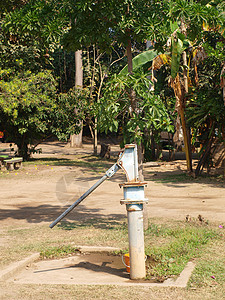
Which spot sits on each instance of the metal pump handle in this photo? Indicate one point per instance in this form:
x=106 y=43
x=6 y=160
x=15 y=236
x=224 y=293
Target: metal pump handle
x=126 y=161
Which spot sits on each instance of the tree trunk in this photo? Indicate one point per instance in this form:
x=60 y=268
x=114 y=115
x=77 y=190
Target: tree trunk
x=134 y=109
x=204 y=157
x=184 y=55
x=186 y=140
x=133 y=100
x=76 y=139
x=22 y=148
x=79 y=69
x=181 y=110
x=153 y=155
x=95 y=138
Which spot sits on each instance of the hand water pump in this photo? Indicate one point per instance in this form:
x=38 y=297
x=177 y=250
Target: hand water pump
x=134 y=199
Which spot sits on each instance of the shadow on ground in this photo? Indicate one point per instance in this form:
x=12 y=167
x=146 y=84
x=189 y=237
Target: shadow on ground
x=48 y=213
x=178 y=178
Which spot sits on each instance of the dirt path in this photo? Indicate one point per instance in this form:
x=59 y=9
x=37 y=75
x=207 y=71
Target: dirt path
x=39 y=193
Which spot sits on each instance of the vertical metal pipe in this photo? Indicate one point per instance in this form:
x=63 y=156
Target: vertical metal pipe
x=136 y=241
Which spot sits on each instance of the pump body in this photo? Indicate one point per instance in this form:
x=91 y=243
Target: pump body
x=133 y=191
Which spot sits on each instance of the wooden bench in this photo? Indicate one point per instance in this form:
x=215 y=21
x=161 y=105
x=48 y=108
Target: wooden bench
x=2 y=158
x=2 y=150
x=13 y=163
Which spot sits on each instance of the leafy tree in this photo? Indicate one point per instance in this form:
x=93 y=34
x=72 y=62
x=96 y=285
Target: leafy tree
x=179 y=27
x=105 y=23
x=30 y=109
x=31 y=34
x=150 y=115
x=10 y=5
x=206 y=108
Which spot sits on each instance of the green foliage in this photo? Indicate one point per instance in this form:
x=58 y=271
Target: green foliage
x=31 y=34
x=104 y=23
x=192 y=13
x=115 y=108
x=31 y=40
x=205 y=110
x=30 y=108
x=10 y=5
x=139 y=60
x=25 y=97
x=178 y=45
x=38 y=22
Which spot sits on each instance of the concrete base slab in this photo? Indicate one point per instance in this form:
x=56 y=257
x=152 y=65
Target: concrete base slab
x=89 y=268
x=17 y=267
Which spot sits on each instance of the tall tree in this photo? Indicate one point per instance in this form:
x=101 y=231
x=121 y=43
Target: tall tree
x=76 y=139
x=105 y=23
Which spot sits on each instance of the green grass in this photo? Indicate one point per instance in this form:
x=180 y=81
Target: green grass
x=175 y=247
x=210 y=269
x=58 y=252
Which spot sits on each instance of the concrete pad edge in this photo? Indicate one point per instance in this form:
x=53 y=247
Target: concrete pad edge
x=16 y=267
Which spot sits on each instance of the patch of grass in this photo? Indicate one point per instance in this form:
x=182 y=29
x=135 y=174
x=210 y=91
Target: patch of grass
x=58 y=252
x=17 y=243
x=110 y=224
x=210 y=270
x=175 y=247
x=90 y=162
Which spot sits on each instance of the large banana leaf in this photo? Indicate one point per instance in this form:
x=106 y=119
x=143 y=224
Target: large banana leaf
x=140 y=60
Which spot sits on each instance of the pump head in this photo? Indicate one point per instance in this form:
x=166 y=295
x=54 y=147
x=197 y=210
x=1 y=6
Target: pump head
x=128 y=161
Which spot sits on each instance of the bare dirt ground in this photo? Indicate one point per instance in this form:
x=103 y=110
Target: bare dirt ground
x=39 y=193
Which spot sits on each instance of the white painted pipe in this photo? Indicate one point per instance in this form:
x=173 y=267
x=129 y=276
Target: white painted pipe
x=136 y=241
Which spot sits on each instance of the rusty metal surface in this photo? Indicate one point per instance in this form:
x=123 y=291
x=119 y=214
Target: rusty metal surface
x=130 y=184
x=129 y=201
x=129 y=146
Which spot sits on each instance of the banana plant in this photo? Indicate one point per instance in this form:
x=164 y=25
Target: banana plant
x=178 y=44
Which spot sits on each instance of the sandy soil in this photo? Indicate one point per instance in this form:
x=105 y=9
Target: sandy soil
x=39 y=193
